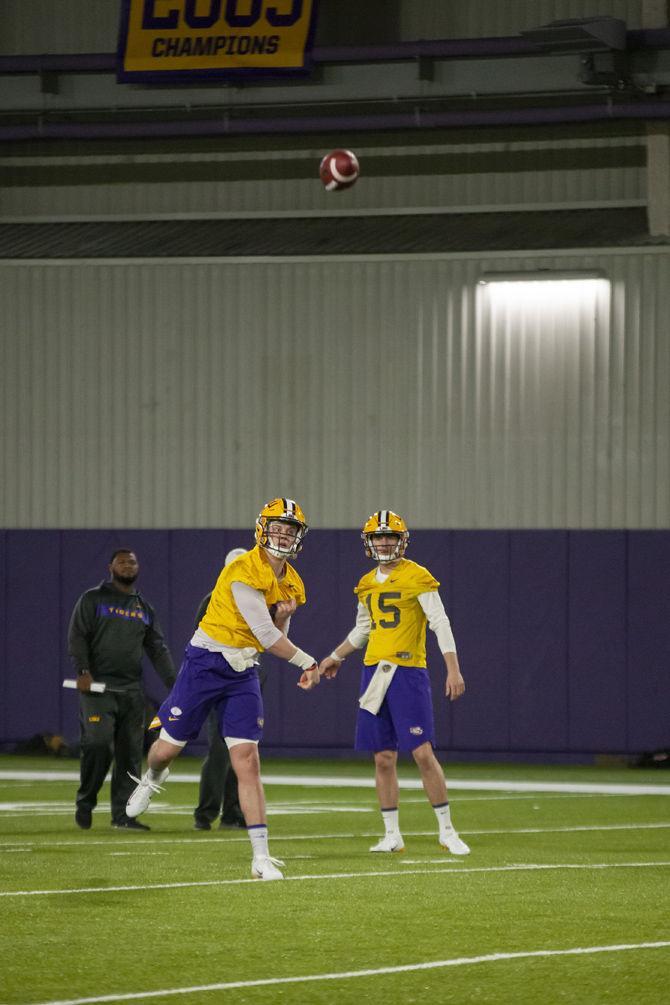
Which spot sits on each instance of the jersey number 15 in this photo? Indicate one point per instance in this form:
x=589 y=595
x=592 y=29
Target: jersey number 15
x=392 y=612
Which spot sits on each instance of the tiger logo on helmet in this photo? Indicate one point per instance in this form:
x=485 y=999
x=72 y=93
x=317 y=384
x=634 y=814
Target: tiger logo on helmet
x=285 y=511
x=384 y=523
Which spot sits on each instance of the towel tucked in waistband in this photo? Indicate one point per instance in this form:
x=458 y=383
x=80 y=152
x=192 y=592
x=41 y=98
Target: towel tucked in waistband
x=242 y=659
x=373 y=696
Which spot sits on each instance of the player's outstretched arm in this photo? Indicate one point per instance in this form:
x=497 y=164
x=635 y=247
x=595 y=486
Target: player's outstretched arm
x=329 y=666
x=285 y=649
x=309 y=678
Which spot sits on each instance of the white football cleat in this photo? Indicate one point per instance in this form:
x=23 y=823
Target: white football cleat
x=450 y=840
x=390 y=842
x=265 y=867
x=141 y=795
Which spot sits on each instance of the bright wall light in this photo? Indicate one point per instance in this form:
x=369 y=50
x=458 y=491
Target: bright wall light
x=545 y=290
x=542 y=276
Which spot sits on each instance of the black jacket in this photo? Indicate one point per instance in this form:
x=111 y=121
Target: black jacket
x=109 y=631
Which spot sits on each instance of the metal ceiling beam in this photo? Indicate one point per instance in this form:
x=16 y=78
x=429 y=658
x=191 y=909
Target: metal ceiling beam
x=605 y=110
x=472 y=83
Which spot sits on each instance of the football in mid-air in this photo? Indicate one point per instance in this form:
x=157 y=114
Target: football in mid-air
x=339 y=170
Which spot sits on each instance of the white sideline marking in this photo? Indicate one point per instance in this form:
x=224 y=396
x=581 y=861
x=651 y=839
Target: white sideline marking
x=344 y=781
x=449 y=868
x=480 y=785
x=65 y=809
x=458 y=961
x=133 y=854
x=230 y=836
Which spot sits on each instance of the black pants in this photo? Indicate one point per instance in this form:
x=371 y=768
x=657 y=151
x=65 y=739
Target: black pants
x=218 y=793
x=218 y=782
x=111 y=729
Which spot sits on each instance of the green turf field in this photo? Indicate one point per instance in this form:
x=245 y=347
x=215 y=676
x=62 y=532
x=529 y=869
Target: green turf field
x=564 y=898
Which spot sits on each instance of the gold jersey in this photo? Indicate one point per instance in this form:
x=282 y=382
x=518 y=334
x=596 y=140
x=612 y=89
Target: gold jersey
x=398 y=623
x=223 y=621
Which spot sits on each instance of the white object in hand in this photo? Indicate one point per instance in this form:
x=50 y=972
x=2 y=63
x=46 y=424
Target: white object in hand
x=95 y=686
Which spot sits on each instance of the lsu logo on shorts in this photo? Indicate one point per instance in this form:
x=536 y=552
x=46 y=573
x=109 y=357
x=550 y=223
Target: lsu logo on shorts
x=94 y=718
x=260 y=723
x=416 y=730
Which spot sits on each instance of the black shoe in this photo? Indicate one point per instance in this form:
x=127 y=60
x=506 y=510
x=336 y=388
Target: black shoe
x=129 y=824
x=202 y=825
x=82 y=818
x=233 y=820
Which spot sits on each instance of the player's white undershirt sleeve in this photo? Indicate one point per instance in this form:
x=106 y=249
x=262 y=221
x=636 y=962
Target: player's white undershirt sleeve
x=360 y=633
x=438 y=621
x=253 y=608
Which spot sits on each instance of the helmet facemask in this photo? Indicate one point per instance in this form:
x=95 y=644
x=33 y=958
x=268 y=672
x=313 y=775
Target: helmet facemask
x=371 y=549
x=276 y=549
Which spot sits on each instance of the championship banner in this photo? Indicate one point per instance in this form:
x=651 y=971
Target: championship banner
x=181 y=40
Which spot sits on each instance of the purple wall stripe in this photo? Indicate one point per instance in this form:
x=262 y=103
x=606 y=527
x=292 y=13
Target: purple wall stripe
x=563 y=636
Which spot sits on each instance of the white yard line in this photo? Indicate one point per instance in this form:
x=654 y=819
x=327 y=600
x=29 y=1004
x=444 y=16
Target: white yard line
x=345 y=781
x=460 y=961
x=394 y=874
x=229 y=836
x=11 y=810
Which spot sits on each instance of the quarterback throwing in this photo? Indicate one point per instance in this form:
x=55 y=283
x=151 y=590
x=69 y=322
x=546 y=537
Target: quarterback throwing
x=219 y=669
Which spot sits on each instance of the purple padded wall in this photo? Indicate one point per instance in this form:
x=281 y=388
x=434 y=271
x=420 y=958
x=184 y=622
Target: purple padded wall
x=648 y=663
x=538 y=599
x=597 y=641
x=4 y=669
x=479 y=613
x=563 y=637
x=33 y=636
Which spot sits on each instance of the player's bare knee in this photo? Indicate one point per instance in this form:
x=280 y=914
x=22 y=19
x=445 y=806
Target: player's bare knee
x=245 y=761
x=424 y=756
x=385 y=760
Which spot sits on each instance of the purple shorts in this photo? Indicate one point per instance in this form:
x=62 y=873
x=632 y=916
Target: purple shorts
x=205 y=681
x=405 y=719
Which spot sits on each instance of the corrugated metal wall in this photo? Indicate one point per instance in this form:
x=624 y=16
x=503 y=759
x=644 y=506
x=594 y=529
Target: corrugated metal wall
x=482 y=18
x=509 y=173
x=168 y=394
x=91 y=25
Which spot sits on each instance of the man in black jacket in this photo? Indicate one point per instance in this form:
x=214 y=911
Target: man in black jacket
x=110 y=628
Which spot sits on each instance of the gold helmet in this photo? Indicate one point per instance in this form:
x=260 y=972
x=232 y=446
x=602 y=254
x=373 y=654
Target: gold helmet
x=286 y=511
x=385 y=522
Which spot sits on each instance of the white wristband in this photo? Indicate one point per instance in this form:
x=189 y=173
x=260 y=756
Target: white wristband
x=302 y=660
x=338 y=659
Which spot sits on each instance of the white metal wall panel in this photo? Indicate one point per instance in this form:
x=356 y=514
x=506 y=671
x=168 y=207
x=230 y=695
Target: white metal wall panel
x=169 y=394
x=482 y=18
x=482 y=192
x=53 y=26
x=463 y=185
x=59 y=26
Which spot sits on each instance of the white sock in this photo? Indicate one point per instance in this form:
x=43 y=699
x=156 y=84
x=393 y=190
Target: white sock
x=156 y=776
x=443 y=814
x=258 y=835
x=390 y=818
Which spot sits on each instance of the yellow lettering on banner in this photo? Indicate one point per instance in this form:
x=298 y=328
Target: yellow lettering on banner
x=182 y=36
